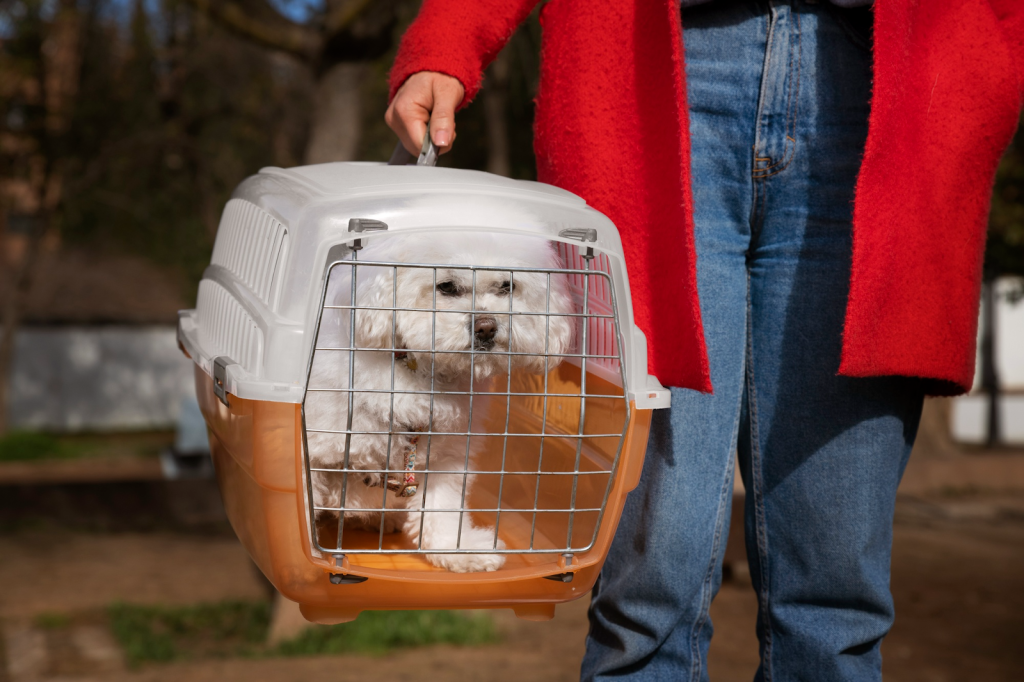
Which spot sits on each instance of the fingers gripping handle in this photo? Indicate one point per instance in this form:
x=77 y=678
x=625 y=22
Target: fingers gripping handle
x=427 y=157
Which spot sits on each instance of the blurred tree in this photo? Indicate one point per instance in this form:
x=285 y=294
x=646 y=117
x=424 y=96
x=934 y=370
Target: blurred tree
x=126 y=128
x=1004 y=252
x=336 y=43
x=40 y=68
x=171 y=117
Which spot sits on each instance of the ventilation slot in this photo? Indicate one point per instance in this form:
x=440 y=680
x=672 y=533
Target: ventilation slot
x=601 y=334
x=226 y=328
x=249 y=244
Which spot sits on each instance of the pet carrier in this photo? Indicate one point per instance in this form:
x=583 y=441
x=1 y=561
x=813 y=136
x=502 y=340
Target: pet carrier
x=535 y=427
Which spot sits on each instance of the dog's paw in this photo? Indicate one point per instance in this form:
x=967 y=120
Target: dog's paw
x=467 y=563
x=472 y=538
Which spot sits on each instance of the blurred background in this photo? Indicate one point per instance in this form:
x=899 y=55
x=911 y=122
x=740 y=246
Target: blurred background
x=124 y=127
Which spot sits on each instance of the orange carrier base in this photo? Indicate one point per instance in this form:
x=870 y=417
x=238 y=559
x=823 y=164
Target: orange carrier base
x=258 y=457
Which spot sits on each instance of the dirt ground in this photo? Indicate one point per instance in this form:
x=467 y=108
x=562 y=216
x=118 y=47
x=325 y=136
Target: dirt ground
x=958 y=579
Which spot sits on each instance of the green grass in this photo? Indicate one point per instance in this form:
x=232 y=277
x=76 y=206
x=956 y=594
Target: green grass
x=377 y=632
x=31 y=446
x=161 y=633
x=21 y=446
x=239 y=628
x=52 y=621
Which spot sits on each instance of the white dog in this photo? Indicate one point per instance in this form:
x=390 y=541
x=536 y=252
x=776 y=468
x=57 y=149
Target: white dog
x=418 y=383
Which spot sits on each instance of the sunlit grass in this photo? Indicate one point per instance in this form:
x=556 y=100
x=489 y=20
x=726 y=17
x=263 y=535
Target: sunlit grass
x=239 y=628
x=165 y=633
x=377 y=632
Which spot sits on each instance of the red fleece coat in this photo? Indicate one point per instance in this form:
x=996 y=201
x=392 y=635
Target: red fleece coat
x=612 y=126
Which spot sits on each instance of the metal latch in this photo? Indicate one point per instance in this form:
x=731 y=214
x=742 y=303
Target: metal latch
x=583 y=234
x=347 y=579
x=220 y=377
x=561 y=577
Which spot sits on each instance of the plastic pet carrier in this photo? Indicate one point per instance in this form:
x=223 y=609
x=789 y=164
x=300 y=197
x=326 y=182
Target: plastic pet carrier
x=423 y=387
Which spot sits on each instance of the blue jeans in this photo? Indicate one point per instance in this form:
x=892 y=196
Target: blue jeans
x=778 y=95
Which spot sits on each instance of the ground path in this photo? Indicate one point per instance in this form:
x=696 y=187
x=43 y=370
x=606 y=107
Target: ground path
x=958 y=577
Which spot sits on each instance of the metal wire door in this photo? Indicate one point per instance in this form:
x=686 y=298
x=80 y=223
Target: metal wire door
x=541 y=448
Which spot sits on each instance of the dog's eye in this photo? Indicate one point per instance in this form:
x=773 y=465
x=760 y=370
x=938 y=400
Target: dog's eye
x=506 y=288
x=449 y=288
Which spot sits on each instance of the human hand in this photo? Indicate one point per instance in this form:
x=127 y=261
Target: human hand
x=425 y=96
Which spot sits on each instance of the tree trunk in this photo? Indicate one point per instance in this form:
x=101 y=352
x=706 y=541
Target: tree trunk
x=989 y=369
x=336 y=126
x=935 y=434
x=286 y=622
x=495 y=95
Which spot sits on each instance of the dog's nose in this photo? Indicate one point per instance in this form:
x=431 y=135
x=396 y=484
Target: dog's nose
x=485 y=329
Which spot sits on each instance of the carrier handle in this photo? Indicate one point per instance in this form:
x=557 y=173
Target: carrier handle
x=427 y=157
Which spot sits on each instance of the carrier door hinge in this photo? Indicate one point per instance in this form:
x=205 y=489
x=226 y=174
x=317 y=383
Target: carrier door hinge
x=220 y=377
x=345 y=578
x=583 y=234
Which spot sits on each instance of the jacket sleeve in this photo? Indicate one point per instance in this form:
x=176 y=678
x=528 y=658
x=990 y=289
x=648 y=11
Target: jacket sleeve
x=457 y=38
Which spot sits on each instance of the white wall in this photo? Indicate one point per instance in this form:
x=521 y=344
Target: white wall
x=970 y=413
x=98 y=378
x=1010 y=338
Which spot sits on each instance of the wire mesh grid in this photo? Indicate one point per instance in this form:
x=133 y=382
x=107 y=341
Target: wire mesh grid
x=522 y=442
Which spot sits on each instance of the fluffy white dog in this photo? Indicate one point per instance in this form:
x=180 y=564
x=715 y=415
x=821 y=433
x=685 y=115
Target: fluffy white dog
x=418 y=382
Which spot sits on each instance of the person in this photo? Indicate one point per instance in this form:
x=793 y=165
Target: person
x=820 y=175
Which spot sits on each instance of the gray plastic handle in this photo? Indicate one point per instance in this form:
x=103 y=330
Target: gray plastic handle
x=427 y=157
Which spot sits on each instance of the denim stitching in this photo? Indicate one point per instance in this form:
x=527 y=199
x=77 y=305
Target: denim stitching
x=724 y=497
x=792 y=103
x=764 y=79
x=757 y=485
x=765 y=172
x=716 y=549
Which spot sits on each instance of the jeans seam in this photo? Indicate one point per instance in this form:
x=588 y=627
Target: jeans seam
x=757 y=210
x=764 y=79
x=757 y=485
x=716 y=550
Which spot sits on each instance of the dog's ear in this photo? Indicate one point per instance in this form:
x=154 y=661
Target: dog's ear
x=374 y=326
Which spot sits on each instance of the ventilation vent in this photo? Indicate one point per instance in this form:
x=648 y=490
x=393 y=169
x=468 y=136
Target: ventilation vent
x=601 y=336
x=226 y=328
x=249 y=244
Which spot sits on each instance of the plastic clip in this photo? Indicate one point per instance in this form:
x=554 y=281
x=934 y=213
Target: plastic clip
x=220 y=377
x=360 y=225
x=588 y=234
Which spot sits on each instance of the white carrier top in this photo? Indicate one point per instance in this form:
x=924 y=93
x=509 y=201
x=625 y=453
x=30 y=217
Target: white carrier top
x=259 y=299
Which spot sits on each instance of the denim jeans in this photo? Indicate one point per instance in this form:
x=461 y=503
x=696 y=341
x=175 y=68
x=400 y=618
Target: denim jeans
x=778 y=94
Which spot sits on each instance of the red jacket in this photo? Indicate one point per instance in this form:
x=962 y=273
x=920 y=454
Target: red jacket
x=611 y=126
